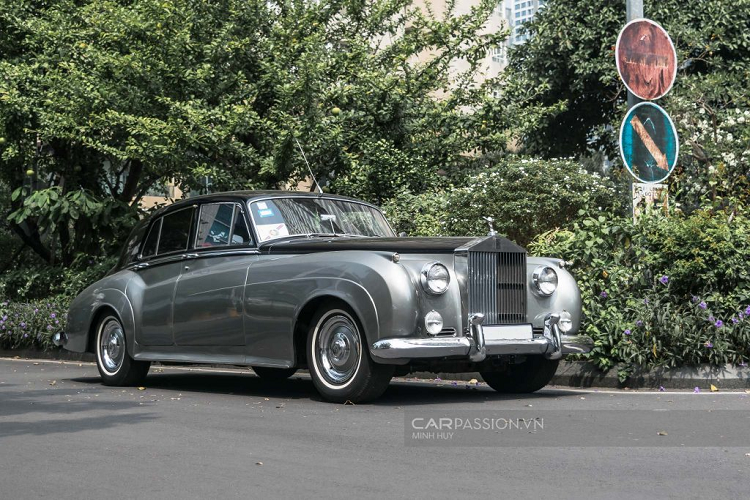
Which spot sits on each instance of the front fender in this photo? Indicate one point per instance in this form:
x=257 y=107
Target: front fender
x=567 y=297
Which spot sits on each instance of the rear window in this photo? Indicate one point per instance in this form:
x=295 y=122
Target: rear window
x=175 y=231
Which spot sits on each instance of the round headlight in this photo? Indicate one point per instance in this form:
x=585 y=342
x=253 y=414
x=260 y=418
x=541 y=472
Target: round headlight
x=566 y=322
x=433 y=321
x=435 y=278
x=545 y=280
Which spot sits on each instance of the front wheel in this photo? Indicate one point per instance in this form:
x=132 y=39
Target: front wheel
x=523 y=378
x=112 y=359
x=339 y=361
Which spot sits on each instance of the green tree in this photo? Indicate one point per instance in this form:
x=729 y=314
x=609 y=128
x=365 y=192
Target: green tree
x=102 y=100
x=564 y=81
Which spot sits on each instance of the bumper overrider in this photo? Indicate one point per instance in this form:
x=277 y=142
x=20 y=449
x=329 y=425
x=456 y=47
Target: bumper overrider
x=552 y=344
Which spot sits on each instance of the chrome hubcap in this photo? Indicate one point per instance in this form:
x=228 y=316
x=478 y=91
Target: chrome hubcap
x=112 y=346
x=338 y=349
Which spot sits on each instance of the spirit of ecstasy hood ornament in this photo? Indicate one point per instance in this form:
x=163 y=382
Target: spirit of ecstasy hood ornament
x=490 y=220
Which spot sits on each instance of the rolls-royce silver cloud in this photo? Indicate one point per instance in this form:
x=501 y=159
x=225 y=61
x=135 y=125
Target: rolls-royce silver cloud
x=282 y=281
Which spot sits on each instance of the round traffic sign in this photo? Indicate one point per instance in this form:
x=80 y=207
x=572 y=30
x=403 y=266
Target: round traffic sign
x=648 y=142
x=646 y=59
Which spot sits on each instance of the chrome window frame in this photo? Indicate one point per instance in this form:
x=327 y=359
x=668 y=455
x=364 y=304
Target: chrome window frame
x=249 y=201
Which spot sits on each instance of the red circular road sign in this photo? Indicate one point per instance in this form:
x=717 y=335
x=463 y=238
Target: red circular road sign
x=646 y=59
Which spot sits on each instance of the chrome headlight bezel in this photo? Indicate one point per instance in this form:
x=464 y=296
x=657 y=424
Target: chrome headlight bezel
x=542 y=279
x=429 y=281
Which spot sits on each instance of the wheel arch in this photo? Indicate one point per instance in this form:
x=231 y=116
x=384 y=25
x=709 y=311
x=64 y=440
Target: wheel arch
x=116 y=303
x=313 y=305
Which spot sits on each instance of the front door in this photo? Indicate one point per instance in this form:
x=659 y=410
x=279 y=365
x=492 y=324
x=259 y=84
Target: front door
x=208 y=302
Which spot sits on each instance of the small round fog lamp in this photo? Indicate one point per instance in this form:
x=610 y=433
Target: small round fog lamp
x=433 y=321
x=566 y=322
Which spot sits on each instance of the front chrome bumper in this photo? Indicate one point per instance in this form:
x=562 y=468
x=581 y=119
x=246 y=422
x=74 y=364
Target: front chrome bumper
x=552 y=344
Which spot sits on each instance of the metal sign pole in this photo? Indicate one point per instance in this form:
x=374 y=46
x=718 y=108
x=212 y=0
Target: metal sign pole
x=634 y=10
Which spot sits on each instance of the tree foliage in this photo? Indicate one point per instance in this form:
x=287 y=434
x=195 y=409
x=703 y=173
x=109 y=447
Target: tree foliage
x=565 y=77
x=101 y=101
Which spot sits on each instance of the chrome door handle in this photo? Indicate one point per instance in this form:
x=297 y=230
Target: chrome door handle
x=190 y=256
x=140 y=266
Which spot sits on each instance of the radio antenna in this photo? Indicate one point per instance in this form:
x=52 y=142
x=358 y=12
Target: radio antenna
x=308 y=166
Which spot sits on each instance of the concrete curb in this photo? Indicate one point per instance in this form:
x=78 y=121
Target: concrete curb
x=569 y=374
x=582 y=374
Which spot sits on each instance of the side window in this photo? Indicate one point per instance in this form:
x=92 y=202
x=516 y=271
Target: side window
x=214 y=225
x=149 y=248
x=240 y=233
x=130 y=252
x=175 y=231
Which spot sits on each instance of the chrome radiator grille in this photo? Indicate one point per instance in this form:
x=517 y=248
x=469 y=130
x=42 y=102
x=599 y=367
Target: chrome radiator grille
x=497 y=286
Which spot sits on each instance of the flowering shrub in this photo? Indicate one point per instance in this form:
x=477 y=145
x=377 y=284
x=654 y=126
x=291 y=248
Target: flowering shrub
x=663 y=292
x=524 y=196
x=31 y=324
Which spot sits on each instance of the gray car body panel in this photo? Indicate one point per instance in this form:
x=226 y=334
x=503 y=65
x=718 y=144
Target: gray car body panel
x=241 y=305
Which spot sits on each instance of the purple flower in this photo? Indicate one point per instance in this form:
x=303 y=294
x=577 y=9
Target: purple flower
x=23 y=325
x=697 y=390
x=645 y=301
x=603 y=295
x=694 y=299
x=735 y=321
x=664 y=280
x=741 y=315
x=53 y=315
x=747 y=311
x=711 y=319
x=702 y=305
x=49 y=327
x=25 y=335
x=639 y=323
x=661 y=388
x=57 y=322
x=627 y=332
x=719 y=323
x=709 y=344
x=743 y=364
x=36 y=310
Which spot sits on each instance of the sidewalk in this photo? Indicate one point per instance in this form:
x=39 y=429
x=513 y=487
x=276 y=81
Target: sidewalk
x=569 y=374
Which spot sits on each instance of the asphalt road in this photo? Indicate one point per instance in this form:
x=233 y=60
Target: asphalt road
x=201 y=433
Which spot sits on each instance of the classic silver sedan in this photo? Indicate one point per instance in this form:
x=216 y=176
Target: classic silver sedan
x=286 y=280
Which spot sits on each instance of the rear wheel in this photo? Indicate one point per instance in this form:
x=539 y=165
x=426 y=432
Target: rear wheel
x=526 y=377
x=272 y=374
x=338 y=358
x=112 y=359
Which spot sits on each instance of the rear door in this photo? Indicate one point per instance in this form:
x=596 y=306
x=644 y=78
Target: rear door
x=162 y=259
x=208 y=304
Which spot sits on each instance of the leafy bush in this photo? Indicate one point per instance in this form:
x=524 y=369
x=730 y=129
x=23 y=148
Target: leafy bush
x=663 y=292
x=37 y=282
x=525 y=197
x=31 y=324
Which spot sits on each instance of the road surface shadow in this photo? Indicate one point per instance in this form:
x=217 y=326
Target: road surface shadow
x=400 y=393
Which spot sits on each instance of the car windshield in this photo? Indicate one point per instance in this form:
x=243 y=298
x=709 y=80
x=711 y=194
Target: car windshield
x=283 y=217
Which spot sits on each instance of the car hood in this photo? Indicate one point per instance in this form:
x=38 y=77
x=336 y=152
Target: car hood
x=400 y=245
